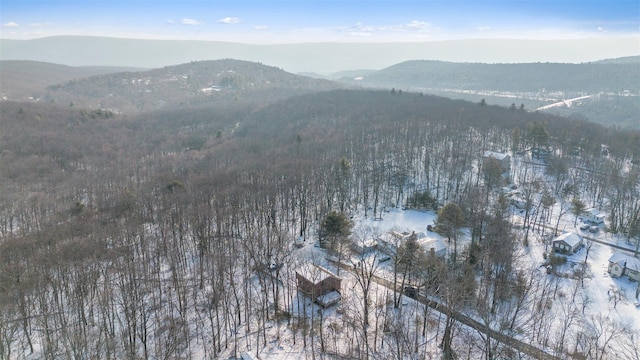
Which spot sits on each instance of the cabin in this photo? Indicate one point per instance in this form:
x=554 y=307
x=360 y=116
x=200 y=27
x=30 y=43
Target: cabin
x=593 y=216
x=567 y=243
x=315 y=281
x=503 y=159
x=621 y=264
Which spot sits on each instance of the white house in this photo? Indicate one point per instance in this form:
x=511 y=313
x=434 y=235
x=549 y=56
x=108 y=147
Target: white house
x=624 y=264
x=594 y=216
x=567 y=243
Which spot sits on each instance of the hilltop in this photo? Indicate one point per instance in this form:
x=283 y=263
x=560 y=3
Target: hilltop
x=171 y=87
x=21 y=79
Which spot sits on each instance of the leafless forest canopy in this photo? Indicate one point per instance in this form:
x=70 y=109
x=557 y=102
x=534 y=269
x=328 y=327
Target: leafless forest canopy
x=139 y=235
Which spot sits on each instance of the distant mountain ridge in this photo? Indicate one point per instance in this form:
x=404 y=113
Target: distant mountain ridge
x=621 y=60
x=322 y=58
x=531 y=77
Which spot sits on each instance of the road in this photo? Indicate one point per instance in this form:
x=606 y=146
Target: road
x=516 y=344
x=616 y=246
x=563 y=102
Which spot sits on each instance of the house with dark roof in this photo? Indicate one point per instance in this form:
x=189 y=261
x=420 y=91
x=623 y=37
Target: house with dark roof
x=319 y=283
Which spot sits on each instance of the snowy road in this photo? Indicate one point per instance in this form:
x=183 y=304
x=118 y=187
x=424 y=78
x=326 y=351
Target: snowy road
x=566 y=103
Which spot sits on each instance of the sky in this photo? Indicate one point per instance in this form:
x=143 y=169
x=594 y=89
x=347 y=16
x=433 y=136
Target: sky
x=295 y=21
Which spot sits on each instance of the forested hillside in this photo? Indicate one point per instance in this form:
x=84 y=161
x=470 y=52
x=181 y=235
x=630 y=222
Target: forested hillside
x=145 y=235
x=533 y=77
x=23 y=79
x=172 y=87
x=610 y=88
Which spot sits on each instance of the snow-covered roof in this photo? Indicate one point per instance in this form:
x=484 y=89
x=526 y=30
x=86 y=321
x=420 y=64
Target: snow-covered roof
x=428 y=242
x=315 y=273
x=572 y=239
x=495 y=155
x=621 y=258
x=436 y=244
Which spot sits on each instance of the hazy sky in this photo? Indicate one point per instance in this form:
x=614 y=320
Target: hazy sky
x=285 y=21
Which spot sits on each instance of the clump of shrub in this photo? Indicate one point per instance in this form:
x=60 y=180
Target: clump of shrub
x=557 y=260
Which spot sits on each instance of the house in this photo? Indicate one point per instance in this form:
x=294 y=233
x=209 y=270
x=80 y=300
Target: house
x=624 y=264
x=316 y=281
x=429 y=244
x=395 y=239
x=389 y=243
x=594 y=216
x=503 y=159
x=567 y=243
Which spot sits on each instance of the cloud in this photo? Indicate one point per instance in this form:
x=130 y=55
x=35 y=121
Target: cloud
x=11 y=24
x=191 y=22
x=171 y=22
x=483 y=28
x=38 y=25
x=601 y=29
x=229 y=20
x=359 y=33
x=360 y=29
x=417 y=25
x=261 y=27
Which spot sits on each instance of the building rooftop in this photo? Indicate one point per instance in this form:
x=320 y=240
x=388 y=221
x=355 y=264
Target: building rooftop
x=570 y=238
x=495 y=155
x=625 y=259
x=315 y=273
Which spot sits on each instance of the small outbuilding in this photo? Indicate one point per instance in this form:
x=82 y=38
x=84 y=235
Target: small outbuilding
x=567 y=243
x=621 y=264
